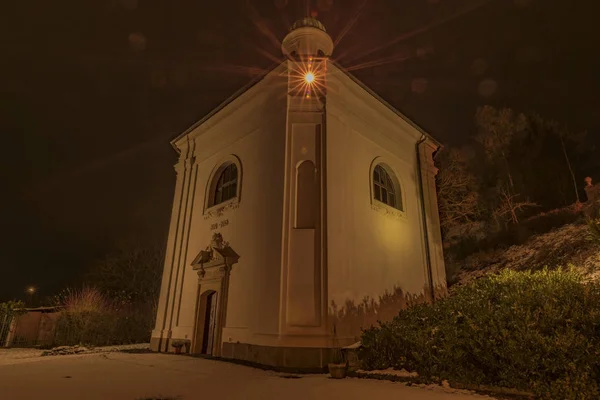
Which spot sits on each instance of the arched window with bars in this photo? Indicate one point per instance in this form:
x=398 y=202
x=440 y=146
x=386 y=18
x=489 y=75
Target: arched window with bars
x=386 y=188
x=226 y=186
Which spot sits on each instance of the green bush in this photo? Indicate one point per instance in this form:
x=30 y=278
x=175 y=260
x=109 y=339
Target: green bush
x=536 y=331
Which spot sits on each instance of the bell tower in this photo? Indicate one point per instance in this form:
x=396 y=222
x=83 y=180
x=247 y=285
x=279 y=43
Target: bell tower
x=307 y=37
x=304 y=259
x=307 y=47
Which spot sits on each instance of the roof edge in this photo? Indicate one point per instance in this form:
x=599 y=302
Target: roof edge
x=225 y=103
x=385 y=103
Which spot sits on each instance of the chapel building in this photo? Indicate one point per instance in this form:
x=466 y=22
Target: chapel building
x=305 y=208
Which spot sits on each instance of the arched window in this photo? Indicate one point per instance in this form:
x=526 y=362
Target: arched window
x=385 y=188
x=226 y=186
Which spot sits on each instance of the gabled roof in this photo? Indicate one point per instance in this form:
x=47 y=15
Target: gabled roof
x=260 y=78
x=385 y=103
x=225 y=103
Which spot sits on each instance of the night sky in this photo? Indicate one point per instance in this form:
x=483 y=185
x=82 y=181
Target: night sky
x=92 y=92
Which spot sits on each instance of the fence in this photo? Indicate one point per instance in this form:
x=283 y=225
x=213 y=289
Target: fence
x=33 y=327
x=51 y=326
x=6 y=318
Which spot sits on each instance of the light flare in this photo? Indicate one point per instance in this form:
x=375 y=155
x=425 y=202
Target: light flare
x=307 y=78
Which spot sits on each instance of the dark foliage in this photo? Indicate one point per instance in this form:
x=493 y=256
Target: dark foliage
x=530 y=331
x=89 y=318
x=515 y=234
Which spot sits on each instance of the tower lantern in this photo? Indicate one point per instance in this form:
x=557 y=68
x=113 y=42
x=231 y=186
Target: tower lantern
x=307 y=38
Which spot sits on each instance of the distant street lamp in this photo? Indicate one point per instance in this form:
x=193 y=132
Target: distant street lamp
x=30 y=291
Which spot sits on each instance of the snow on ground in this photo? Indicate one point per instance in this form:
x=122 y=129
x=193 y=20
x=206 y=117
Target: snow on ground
x=67 y=350
x=127 y=376
x=19 y=355
x=390 y=371
x=14 y=356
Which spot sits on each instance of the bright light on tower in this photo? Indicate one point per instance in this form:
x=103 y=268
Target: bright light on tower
x=309 y=77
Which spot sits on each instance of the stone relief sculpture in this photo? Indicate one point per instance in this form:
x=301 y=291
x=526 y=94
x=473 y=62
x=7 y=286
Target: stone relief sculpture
x=217 y=241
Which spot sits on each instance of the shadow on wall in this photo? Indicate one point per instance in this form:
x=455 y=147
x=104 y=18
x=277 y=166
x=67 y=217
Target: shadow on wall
x=351 y=318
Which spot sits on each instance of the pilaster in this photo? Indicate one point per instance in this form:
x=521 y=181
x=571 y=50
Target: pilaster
x=167 y=300
x=303 y=309
x=161 y=328
x=181 y=245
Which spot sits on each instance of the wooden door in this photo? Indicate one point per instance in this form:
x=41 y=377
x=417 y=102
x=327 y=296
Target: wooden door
x=210 y=319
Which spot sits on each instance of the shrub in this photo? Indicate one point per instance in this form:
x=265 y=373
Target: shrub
x=594 y=229
x=546 y=221
x=463 y=247
x=89 y=318
x=535 y=331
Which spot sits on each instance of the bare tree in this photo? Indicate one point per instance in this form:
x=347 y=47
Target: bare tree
x=457 y=190
x=132 y=272
x=496 y=131
x=565 y=136
x=509 y=207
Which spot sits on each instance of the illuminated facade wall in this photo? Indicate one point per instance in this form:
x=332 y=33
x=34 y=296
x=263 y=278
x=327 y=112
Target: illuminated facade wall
x=249 y=130
x=374 y=248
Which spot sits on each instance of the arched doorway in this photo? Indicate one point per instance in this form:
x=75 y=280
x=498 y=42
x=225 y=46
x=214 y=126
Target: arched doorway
x=210 y=318
x=206 y=322
x=213 y=266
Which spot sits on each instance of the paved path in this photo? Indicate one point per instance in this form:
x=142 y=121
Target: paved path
x=121 y=376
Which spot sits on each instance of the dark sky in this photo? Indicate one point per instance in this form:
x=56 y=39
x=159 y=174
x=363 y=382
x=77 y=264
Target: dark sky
x=92 y=92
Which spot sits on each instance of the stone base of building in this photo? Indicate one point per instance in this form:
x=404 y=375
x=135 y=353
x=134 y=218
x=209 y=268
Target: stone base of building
x=155 y=344
x=284 y=359
x=292 y=359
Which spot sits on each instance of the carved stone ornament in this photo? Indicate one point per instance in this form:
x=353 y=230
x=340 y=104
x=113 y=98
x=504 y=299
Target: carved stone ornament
x=388 y=211
x=217 y=241
x=221 y=209
x=216 y=259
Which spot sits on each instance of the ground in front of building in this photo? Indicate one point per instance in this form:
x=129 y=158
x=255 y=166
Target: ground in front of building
x=24 y=375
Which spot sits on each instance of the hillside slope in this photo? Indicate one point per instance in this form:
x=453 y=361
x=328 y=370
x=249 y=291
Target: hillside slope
x=561 y=247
